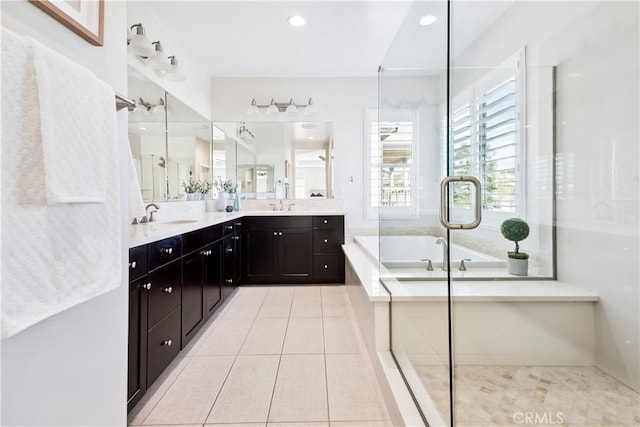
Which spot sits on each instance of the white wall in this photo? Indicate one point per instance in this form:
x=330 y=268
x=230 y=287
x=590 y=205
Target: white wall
x=193 y=92
x=71 y=368
x=594 y=46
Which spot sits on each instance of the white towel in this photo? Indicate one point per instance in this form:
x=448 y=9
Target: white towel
x=53 y=257
x=136 y=205
x=77 y=116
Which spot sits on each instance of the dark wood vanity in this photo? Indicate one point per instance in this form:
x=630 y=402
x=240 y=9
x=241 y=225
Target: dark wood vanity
x=177 y=283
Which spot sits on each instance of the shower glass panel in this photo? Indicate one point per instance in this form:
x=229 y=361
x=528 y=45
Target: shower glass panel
x=538 y=101
x=546 y=108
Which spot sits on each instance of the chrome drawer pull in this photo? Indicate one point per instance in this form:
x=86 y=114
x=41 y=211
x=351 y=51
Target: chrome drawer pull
x=229 y=280
x=275 y=233
x=167 y=289
x=132 y=264
x=229 y=227
x=167 y=343
x=146 y=286
x=167 y=251
x=229 y=250
x=236 y=237
x=325 y=240
x=326 y=266
x=326 y=221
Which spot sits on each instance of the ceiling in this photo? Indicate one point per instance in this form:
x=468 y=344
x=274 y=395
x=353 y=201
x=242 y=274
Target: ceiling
x=340 y=38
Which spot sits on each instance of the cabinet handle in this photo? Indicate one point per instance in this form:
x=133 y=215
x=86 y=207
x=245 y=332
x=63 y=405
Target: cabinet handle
x=326 y=221
x=229 y=250
x=326 y=266
x=280 y=233
x=132 y=264
x=167 y=290
x=237 y=223
x=228 y=280
x=236 y=237
x=167 y=343
x=209 y=252
x=205 y=253
x=146 y=286
x=167 y=251
x=229 y=227
x=325 y=240
x=275 y=233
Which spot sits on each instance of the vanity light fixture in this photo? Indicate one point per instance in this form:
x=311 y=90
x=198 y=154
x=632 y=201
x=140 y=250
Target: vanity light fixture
x=139 y=43
x=291 y=108
x=174 y=73
x=159 y=61
x=273 y=108
x=427 y=20
x=145 y=110
x=152 y=54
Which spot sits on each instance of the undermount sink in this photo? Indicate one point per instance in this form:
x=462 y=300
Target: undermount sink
x=178 y=221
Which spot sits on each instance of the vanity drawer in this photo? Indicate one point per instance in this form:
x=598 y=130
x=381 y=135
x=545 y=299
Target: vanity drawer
x=165 y=291
x=328 y=221
x=200 y=238
x=328 y=268
x=163 y=344
x=327 y=240
x=164 y=251
x=137 y=262
x=277 y=222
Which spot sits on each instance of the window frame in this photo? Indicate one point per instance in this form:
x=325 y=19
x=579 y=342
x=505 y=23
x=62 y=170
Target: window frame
x=514 y=66
x=372 y=115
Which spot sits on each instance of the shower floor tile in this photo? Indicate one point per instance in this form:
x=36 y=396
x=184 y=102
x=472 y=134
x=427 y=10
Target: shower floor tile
x=547 y=395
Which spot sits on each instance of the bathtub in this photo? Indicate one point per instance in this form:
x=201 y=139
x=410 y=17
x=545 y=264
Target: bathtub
x=408 y=251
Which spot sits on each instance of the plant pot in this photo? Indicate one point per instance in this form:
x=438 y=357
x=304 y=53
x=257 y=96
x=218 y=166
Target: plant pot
x=203 y=196
x=191 y=196
x=518 y=267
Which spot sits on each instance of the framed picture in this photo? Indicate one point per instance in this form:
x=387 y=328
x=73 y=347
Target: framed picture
x=83 y=17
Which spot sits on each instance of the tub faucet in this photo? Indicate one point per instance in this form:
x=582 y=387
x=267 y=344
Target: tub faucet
x=445 y=253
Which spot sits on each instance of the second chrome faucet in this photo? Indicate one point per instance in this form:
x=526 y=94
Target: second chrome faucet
x=445 y=253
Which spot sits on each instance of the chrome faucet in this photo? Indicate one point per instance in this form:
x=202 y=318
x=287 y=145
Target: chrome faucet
x=445 y=253
x=281 y=204
x=150 y=217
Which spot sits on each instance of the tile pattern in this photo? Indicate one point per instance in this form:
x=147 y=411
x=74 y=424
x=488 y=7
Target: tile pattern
x=556 y=395
x=273 y=356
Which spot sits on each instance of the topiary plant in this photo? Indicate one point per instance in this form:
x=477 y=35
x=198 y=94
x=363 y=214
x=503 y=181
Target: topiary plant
x=516 y=230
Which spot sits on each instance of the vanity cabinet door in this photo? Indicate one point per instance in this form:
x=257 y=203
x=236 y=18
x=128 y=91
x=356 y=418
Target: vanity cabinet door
x=295 y=255
x=193 y=314
x=260 y=255
x=228 y=257
x=137 y=349
x=213 y=277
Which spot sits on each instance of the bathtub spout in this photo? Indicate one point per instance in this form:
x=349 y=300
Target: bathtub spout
x=445 y=253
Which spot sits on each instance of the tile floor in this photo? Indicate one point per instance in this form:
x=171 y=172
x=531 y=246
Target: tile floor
x=491 y=396
x=276 y=356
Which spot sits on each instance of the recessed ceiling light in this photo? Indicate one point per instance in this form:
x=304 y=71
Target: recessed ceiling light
x=309 y=137
x=296 y=21
x=427 y=20
x=143 y=128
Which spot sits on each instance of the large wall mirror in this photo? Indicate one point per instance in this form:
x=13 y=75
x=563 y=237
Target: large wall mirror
x=297 y=154
x=172 y=145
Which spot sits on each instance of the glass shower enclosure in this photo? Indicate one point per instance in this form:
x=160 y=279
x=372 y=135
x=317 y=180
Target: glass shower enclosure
x=503 y=167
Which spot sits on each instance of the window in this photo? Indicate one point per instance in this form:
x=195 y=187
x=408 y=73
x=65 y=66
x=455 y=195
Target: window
x=486 y=143
x=390 y=153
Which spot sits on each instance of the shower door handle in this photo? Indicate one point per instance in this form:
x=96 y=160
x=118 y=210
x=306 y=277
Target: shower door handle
x=444 y=205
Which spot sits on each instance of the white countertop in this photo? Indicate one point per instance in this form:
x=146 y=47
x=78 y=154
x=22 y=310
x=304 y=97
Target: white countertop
x=463 y=291
x=141 y=234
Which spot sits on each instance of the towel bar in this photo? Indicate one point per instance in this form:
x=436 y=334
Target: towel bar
x=124 y=102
